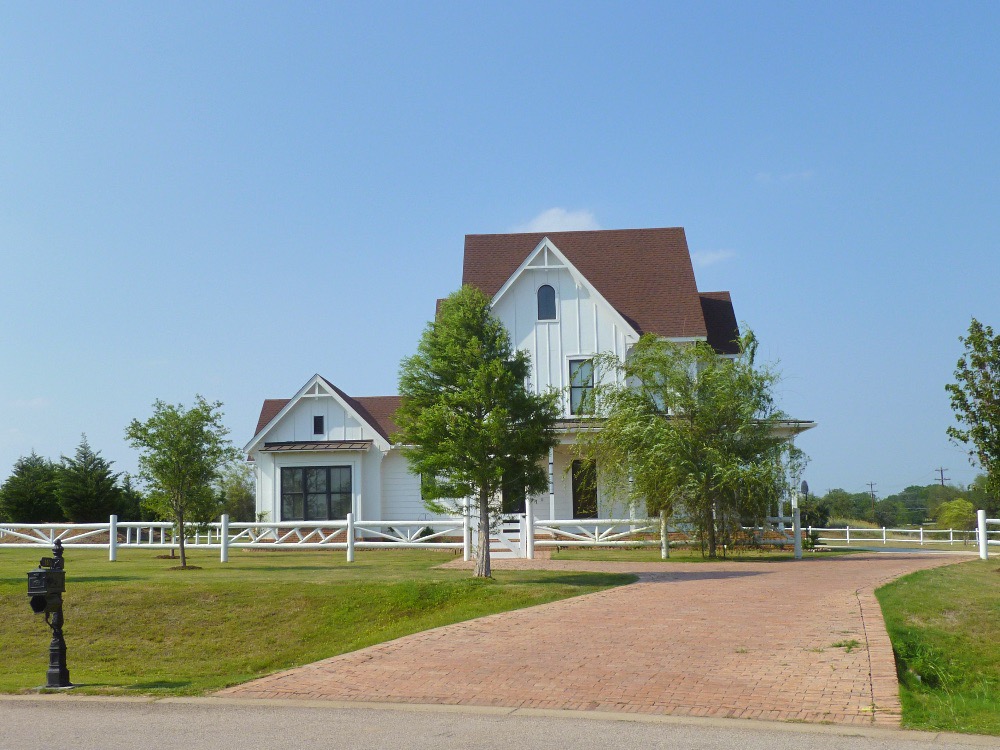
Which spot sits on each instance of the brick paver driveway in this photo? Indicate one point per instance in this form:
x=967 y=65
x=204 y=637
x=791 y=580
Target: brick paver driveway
x=751 y=640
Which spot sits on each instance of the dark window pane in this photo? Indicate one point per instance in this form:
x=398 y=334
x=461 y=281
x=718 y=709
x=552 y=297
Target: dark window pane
x=318 y=426
x=581 y=386
x=546 y=303
x=513 y=499
x=340 y=479
x=581 y=372
x=316 y=507
x=316 y=480
x=291 y=480
x=288 y=507
x=340 y=506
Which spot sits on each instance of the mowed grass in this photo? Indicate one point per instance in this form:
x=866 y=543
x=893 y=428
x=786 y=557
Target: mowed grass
x=945 y=630
x=681 y=554
x=134 y=626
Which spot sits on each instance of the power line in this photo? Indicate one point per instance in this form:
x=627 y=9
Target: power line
x=941 y=470
x=871 y=489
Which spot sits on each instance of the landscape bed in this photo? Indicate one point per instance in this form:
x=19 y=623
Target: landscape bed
x=137 y=627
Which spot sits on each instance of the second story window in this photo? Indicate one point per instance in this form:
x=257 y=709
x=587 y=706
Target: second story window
x=581 y=386
x=546 y=302
x=318 y=426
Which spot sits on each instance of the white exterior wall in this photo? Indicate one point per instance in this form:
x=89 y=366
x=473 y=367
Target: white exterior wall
x=585 y=325
x=401 y=499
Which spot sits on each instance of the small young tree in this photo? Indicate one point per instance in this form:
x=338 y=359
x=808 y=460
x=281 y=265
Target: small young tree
x=181 y=454
x=29 y=494
x=470 y=424
x=86 y=487
x=975 y=399
x=682 y=426
x=957 y=514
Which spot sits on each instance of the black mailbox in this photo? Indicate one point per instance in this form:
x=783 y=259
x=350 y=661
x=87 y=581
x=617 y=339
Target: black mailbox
x=44 y=586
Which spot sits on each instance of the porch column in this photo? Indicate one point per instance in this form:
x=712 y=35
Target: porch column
x=552 y=486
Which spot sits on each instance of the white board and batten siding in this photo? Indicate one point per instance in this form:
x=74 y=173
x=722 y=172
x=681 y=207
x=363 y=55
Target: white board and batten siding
x=585 y=323
x=401 y=499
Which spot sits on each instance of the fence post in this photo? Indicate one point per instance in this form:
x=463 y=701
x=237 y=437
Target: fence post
x=797 y=528
x=350 y=537
x=529 y=543
x=984 y=540
x=951 y=536
x=466 y=537
x=921 y=535
x=224 y=539
x=113 y=538
x=664 y=536
x=848 y=534
x=883 y=535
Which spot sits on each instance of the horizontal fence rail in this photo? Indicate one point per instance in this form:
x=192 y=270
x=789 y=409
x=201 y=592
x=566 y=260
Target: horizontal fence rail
x=519 y=535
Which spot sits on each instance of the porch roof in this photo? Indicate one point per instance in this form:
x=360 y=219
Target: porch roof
x=318 y=445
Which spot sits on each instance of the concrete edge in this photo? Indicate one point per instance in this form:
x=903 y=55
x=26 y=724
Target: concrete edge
x=791 y=727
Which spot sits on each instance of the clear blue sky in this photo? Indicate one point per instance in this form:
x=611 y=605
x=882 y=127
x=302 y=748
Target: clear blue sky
x=225 y=198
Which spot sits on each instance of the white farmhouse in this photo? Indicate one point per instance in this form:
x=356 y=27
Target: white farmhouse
x=563 y=296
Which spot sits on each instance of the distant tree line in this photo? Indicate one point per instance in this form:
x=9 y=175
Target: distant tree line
x=85 y=488
x=913 y=506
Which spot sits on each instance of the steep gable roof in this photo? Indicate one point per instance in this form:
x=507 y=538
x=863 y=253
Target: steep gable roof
x=720 y=320
x=645 y=274
x=377 y=411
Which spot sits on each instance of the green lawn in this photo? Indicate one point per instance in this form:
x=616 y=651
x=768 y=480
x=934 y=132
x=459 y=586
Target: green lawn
x=945 y=630
x=133 y=626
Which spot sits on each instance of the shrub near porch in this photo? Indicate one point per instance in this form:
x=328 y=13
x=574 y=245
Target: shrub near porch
x=134 y=626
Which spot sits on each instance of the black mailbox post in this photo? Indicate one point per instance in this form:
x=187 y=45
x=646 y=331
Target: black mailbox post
x=46 y=585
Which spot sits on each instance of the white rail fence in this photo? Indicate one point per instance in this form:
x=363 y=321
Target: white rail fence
x=862 y=536
x=517 y=538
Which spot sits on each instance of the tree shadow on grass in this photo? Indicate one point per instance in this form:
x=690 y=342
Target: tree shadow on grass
x=578 y=579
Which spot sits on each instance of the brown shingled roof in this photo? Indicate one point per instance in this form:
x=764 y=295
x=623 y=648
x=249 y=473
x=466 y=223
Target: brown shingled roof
x=269 y=411
x=645 y=274
x=720 y=319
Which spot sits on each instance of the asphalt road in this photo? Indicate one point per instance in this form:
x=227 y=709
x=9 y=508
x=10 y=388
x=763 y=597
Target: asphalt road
x=79 y=723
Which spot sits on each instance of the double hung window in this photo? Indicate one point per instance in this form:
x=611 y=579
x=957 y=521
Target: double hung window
x=581 y=386
x=315 y=493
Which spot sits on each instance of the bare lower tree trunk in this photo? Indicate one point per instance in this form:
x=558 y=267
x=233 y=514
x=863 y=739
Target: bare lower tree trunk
x=180 y=530
x=483 y=553
x=710 y=523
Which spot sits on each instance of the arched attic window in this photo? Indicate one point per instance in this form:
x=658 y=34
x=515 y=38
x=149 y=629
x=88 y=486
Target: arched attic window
x=546 y=302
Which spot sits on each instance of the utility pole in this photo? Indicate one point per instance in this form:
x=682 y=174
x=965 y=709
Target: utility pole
x=871 y=491
x=941 y=470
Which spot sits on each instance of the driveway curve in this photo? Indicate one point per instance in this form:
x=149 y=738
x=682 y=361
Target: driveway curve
x=729 y=639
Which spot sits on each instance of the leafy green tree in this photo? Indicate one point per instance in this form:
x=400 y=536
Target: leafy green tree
x=975 y=399
x=237 y=494
x=471 y=425
x=957 y=514
x=86 y=487
x=850 y=505
x=684 y=427
x=182 y=452
x=29 y=493
x=979 y=498
x=890 y=512
x=130 y=507
x=815 y=512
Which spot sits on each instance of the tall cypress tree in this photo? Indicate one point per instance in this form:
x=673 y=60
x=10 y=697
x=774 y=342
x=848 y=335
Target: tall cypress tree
x=86 y=487
x=28 y=495
x=471 y=427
